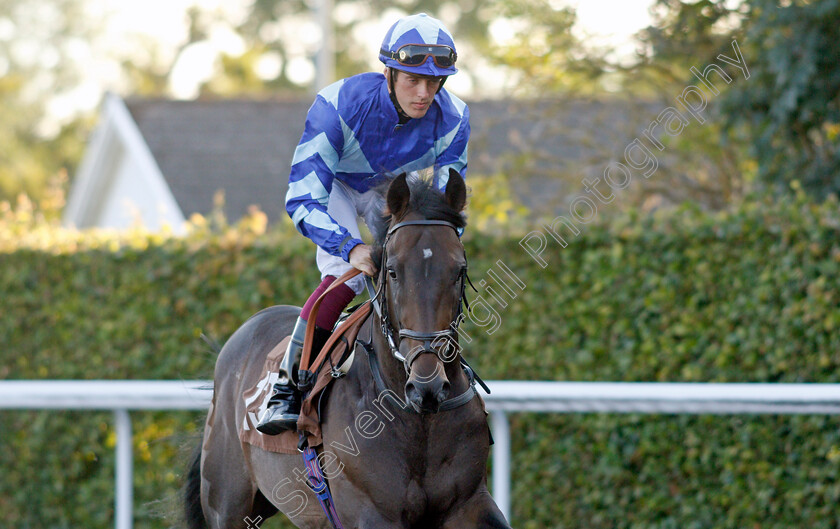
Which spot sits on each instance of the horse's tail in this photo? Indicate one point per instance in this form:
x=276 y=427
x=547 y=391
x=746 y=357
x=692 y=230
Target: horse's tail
x=193 y=514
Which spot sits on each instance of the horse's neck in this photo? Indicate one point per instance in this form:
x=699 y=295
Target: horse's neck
x=392 y=370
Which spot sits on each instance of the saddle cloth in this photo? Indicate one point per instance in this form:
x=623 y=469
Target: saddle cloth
x=327 y=368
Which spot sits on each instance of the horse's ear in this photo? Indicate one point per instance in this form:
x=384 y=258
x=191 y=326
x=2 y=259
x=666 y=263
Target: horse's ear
x=456 y=191
x=398 y=195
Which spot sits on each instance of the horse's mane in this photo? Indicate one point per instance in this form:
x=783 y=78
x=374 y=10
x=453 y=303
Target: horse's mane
x=426 y=200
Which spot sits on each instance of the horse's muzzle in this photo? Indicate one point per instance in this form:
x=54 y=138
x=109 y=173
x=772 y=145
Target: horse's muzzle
x=426 y=393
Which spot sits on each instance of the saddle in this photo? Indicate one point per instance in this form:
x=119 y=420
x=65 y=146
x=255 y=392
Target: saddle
x=315 y=375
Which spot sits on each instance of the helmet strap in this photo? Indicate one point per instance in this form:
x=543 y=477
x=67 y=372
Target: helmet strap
x=392 y=79
x=443 y=79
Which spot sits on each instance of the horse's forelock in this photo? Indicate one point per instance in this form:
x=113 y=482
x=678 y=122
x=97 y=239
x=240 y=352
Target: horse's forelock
x=426 y=200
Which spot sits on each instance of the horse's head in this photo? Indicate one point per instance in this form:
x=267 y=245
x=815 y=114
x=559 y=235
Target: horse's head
x=423 y=269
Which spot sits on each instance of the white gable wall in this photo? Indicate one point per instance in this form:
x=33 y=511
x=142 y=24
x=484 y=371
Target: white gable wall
x=130 y=200
x=119 y=184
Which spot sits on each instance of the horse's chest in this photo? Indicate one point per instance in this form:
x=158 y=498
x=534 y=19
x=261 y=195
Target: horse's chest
x=411 y=467
x=429 y=475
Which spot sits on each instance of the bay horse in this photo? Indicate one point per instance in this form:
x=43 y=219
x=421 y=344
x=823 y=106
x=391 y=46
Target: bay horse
x=397 y=451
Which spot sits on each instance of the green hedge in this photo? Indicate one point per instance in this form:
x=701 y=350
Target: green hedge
x=682 y=295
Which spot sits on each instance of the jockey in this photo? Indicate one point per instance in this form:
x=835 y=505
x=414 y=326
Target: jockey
x=359 y=131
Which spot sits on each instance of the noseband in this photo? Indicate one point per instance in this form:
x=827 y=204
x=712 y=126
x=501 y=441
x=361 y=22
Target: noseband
x=429 y=339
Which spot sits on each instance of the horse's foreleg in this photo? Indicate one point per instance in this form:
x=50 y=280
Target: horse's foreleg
x=479 y=512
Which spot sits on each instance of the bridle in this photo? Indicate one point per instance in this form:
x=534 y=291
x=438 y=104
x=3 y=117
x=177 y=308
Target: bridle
x=431 y=340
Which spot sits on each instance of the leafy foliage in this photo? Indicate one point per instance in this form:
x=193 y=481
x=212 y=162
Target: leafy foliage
x=493 y=205
x=39 y=46
x=783 y=122
x=700 y=164
x=743 y=295
x=542 y=53
x=791 y=108
x=353 y=23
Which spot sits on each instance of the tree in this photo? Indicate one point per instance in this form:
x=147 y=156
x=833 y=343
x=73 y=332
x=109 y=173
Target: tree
x=779 y=125
x=790 y=109
x=602 y=103
x=37 y=43
x=700 y=164
x=543 y=54
x=272 y=27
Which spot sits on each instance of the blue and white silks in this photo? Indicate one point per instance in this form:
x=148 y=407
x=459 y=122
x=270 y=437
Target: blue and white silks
x=353 y=134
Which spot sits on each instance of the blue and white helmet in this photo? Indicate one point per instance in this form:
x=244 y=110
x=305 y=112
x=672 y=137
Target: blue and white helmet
x=421 y=45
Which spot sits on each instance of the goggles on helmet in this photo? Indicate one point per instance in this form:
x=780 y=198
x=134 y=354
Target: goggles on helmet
x=416 y=54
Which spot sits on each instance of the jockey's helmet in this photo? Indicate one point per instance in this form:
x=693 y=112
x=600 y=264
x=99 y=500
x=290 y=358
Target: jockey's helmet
x=421 y=45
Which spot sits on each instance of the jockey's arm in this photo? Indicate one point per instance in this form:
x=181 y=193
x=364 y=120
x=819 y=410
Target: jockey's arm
x=311 y=180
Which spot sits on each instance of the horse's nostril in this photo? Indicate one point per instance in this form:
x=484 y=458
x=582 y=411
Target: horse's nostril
x=411 y=391
x=426 y=397
x=443 y=393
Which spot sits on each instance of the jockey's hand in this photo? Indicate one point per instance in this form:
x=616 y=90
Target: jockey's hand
x=361 y=259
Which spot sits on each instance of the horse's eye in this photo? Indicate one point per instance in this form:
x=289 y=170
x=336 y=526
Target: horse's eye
x=392 y=273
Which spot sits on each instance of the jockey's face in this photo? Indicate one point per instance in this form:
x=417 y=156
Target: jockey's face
x=415 y=93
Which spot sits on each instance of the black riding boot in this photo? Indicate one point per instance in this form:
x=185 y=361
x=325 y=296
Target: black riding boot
x=283 y=407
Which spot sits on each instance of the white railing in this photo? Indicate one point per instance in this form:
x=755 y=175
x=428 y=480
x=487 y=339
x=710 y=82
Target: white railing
x=507 y=397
